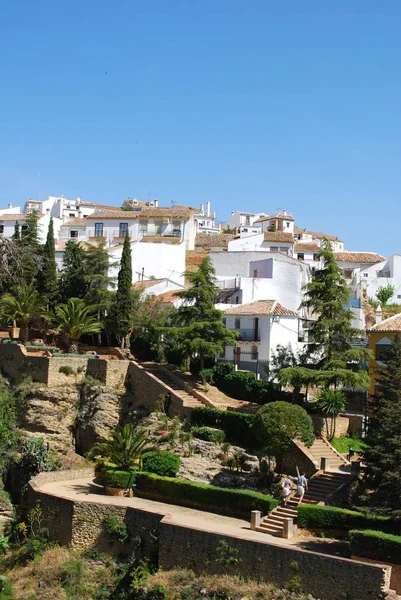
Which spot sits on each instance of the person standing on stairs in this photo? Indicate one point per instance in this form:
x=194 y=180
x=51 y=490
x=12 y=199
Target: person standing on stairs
x=287 y=485
x=302 y=485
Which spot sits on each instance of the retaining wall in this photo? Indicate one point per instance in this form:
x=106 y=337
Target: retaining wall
x=81 y=524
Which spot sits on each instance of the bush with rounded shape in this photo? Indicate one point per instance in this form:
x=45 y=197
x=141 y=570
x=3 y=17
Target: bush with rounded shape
x=277 y=423
x=162 y=463
x=118 y=479
x=209 y=434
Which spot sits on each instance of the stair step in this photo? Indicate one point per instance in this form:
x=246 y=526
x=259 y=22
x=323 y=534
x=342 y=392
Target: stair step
x=286 y=513
x=271 y=525
x=268 y=530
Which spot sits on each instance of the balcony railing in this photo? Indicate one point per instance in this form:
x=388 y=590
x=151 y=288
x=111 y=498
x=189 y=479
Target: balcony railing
x=176 y=233
x=248 y=335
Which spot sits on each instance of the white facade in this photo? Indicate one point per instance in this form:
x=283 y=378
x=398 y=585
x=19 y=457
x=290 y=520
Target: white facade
x=240 y=218
x=371 y=278
x=10 y=210
x=263 y=242
x=316 y=237
x=206 y=222
x=279 y=222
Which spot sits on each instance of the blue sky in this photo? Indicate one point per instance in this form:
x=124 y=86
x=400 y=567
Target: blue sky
x=253 y=105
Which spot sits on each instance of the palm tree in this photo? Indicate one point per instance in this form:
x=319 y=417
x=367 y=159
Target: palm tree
x=22 y=304
x=330 y=403
x=125 y=448
x=74 y=319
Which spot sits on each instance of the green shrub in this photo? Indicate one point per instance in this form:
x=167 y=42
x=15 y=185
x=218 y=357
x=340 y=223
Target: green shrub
x=375 y=544
x=331 y=517
x=238 y=503
x=116 y=528
x=66 y=370
x=236 y=425
x=118 y=479
x=162 y=463
x=210 y=434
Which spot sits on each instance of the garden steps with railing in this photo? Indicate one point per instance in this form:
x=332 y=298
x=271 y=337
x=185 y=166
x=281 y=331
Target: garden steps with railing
x=322 y=448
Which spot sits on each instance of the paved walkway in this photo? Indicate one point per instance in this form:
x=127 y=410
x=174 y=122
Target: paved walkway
x=86 y=490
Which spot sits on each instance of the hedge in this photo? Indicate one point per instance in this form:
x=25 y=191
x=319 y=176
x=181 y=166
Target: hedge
x=330 y=517
x=236 y=425
x=376 y=544
x=210 y=434
x=228 y=501
x=162 y=463
x=119 y=479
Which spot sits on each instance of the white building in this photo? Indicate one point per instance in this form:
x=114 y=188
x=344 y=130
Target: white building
x=240 y=218
x=353 y=263
x=367 y=279
x=271 y=241
x=283 y=221
x=10 y=210
x=262 y=326
x=306 y=236
x=206 y=221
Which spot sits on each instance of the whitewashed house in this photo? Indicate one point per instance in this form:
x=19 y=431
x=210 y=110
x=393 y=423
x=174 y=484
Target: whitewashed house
x=283 y=221
x=307 y=236
x=205 y=221
x=241 y=218
x=261 y=326
x=268 y=241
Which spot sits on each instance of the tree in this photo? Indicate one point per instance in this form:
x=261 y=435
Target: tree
x=124 y=303
x=23 y=304
x=47 y=276
x=73 y=278
x=276 y=424
x=18 y=264
x=75 y=319
x=330 y=403
x=384 y=293
x=99 y=293
x=198 y=324
x=17 y=232
x=30 y=235
x=383 y=456
x=125 y=448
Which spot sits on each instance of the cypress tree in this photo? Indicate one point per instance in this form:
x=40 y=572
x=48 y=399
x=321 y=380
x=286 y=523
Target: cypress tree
x=199 y=328
x=17 y=233
x=47 y=278
x=73 y=278
x=383 y=456
x=124 y=301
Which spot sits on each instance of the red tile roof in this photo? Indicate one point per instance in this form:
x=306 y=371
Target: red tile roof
x=392 y=324
x=359 y=257
x=261 y=307
x=278 y=236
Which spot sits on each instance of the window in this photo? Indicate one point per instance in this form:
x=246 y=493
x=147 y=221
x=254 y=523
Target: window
x=301 y=256
x=287 y=224
x=123 y=231
x=73 y=233
x=71 y=214
x=237 y=324
x=236 y=299
x=1 y=228
x=348 y=273
x=382 y=351
x=315 y=257
x=245 y=230
x=254 y=353
x=98 y=229
x=255 y=273
x=398 y=296
x=143 y=226
x=273 y=248
x=24 y=229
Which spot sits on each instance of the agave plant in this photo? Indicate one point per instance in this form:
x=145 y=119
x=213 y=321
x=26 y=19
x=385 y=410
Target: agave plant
x=125 y=448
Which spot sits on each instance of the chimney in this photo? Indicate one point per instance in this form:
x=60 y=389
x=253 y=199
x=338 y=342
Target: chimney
x=284 y=211
x=208 y=209
x=10 y=205
x=379 y=314
x=202 y=210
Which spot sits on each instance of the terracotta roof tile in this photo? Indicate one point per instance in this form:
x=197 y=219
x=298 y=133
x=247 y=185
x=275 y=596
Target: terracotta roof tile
x=317 y=234
x=168 y=297
x=278 y=236
x=305 y=247
x=219 y=240
x=143 y=213
x=390 y=325
x=10 y=217
x=73 y=221
x=261 y=307
x=143 y=285
x=359 y=257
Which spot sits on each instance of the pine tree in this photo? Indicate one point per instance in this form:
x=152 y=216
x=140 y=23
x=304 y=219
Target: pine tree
x=383 y=456
x=73 y=279
x=122 y=313
x=99 y=283
x=30 y=237
x=47 y=277
x=198 y=324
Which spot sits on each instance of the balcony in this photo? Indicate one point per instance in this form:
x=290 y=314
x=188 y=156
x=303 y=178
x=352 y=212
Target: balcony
x=170 y=233
x=248 y=335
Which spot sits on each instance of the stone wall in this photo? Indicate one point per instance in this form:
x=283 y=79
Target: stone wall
x=326 y=577
x=81 y=524
x=146 y=389
x=298 y=456
x=345 y=424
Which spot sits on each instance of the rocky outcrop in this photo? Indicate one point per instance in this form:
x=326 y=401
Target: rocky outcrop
x=6 y=510
x=51 y=413
x=98 y=414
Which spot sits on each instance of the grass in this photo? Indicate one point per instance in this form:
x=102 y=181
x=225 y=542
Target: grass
x=344 y=443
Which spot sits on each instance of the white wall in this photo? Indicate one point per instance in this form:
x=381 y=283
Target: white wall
x=239 y=218
x=14 y=210
x=373 y=277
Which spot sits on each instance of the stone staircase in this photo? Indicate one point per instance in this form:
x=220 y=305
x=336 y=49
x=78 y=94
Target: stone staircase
x=323 y=449
x=190 y=398
x=320 y=487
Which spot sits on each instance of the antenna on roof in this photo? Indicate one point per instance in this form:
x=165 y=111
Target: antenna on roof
x=172 y=202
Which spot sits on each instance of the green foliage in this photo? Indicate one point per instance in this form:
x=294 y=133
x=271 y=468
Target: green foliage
x=376 y=545
x=22 y=304
x=313 y=516
x=118 y=479
x=276 y=424
x=8 y=435
x=210 y=434
x=124 y=301
x=125 y=448
x=198 y=328
x=330 y=403
x=35 y=458
x=99 y=284
x=4 y=545
x=73 y=279
x=344 y=443
x=382 y=457
x=226 y=554
x=236 y=426
x=243 y=385
x=66 y=370
x=188 y=493
x=75 y=319
x=116 y=528
x=162 y=463
x=384 y=293
x=47 y=275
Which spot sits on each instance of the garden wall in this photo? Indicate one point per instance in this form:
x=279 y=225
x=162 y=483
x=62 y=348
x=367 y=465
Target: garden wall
x=80 y=523
x=299 y=456
x=345 y=424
